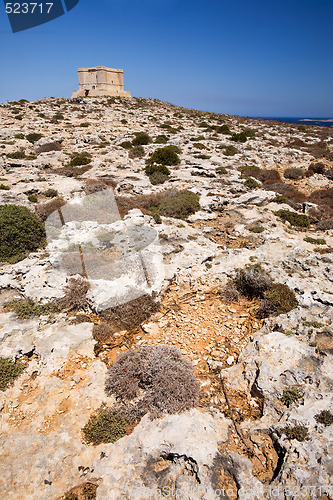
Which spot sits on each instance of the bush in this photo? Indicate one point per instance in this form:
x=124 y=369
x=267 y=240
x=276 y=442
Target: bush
x=316 y=168
x=180 y=206
x=51 y=193
x=33 y=198
x=241 y=137
x=249 y=132
x=19 y=136
x=80 y=159
x=75 y=297
x=9 y=371
x=325 y=225
x=17 y=155
x=256 y=229
x=27 y=308
x=223 y=129
x=21 y=232
x=154 y=379
x=161 y=139
x=221 y=170
x=164 y=156
x=153 y=169
x=315 y=241
x=105 y=426
x=323 y=198
x=295 y=219
x=291 y=395
x=126 y=145
x=136 y=152
x=325 y=417
x=252 y=282
x=291 y=193
x=4 y=188
x=268 y=176
x=251 y=183
x=299 y=432
x=158 y=178
x=141 y=139
x=293 y=173
x=278 y=299
x=249 y=170
x=33 y=137
x=230 y=150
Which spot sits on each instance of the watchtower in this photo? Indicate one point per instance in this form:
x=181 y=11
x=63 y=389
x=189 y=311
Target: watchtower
x=101 y=82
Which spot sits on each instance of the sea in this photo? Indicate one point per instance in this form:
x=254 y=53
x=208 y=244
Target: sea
x=322 y=122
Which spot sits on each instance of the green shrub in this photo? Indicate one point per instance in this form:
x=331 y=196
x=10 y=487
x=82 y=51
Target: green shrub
x=249 y=132
x=202 y=157
x=141 y=139
x=241 y=137
x=315 y=241
x=325 y=417
x=256 y=229
x=126 y=144
x=33 y=137
x=57 y=116
x=27 y=308
x=223 y=129
x=230 y=150
x=291 y=395
x=180 y=206
x=164 y=156
x=136 y=152
x=21 y=232
x=4 y=188
x=79 y=159
x=151 y=169
x=17 y=155
x=105 y=426
x=161 y=139
x=84 y=124
x=9 y=371
x=278 y=299
x=251 y=183
x=221 y=170
x=295 y=219
x=280 y=198
x=51 y=193
x=19 y=136
x=154 y=379
x=158 y=178
x=33 y=198
x=299 y=432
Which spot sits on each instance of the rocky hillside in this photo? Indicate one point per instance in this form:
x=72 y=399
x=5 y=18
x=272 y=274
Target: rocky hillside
x=166 y=293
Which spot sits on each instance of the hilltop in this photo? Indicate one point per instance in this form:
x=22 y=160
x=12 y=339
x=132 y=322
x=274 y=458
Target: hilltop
x=233 y=219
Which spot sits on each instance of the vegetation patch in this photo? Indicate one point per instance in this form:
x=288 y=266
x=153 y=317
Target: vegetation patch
x=164 y=156
x=141 y=139
x=315 y=241
x=155 y=380
x=9 y=371
x=291 y=395
x=105 y=426
x=27 y=308
x=298 y=431
x=251 y=183
x=33 y=137
x=278 y=299
x=180 y=206
x=79 y=159
x=293 y=173
x=51 y=193
x=21 y=232
x=325 y=417
x=295 y=219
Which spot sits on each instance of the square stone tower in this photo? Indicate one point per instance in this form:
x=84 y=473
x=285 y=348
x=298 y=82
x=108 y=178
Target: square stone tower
x=101 y=82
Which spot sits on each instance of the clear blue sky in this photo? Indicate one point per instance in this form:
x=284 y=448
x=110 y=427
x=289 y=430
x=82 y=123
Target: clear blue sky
x=245 y=57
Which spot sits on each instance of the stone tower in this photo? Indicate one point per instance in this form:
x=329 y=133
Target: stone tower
x=101 y=82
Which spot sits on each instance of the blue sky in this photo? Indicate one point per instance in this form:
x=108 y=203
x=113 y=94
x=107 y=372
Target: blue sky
x=250 y=58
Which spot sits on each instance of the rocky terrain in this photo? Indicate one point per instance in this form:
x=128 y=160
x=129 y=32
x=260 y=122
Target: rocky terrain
x=134 y=259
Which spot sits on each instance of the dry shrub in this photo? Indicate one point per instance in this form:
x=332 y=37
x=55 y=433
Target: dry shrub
x=72 y=171
x=44 y=210
x=323 y=198
x=325 y=225
x=131 y=314
x=155 y=380
x=252 y=282
x=293 y=173
x=268 y=176
x=95 y=185
x=291 y=193
x=316 y=168
x=103 y=333
x=75 y=297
